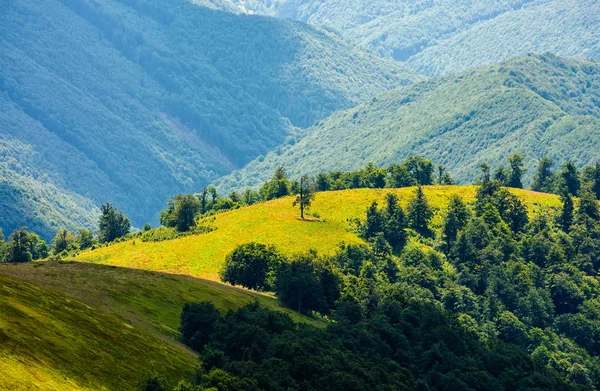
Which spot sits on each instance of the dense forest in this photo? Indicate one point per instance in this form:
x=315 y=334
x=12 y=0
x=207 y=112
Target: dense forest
x=441 y=36
x=130 y=101
x=539 y=105
x=417 y=307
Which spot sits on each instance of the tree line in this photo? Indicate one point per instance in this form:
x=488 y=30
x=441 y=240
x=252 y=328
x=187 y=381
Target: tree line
x=491 y=298
x=24 y=246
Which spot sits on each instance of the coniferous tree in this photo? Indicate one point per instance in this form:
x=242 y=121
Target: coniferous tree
x=588 y=205
x=590 y=178
x=305 y=195
x=395 y=223
x=565 y=220
x=502 y=175
x=544 y=178
x=113 y=224
x=374 y=223
x=419 y=212
x=485 y=172
x=569 y=178
x=455 y=220
x=515 y=178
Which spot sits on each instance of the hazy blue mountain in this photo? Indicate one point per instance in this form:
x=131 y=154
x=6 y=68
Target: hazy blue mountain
x=441 y=36
x=534 y=105
x=132 y=101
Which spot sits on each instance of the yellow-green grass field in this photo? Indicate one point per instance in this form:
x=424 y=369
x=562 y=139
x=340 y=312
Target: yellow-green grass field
x=78 y=326
x=277 y=222
x=51 y=342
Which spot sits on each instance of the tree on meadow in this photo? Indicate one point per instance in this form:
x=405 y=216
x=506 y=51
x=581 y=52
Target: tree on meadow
x=400 y=176
x=305 y=195
x=279 y=186
x=252 y=266
x=250 y=197
x=419 y=212
x=420 y=169
x=85 y=239
x=485 y=172
x=113 y=224
x=569 y=178
x=19 y=247
x=544 y=178
x=181 y=212
x=323 y=182
x=62 y=241
x=515 y=178
x=443 y=176
x=501 y=174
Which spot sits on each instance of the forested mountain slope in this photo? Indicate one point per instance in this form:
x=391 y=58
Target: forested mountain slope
x=441 y=36
x=535 y=105
x=132 y=101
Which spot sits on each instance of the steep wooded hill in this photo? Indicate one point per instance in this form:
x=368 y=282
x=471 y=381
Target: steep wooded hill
x=534 y=105
x=131 y=101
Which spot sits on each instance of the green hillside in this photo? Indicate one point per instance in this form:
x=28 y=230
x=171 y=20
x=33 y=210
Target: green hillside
x=132 y=101
x=562 y=27
x=52 y=342
x=277 y=222
x=535 y=105
x=75 y=326
x=442 y=36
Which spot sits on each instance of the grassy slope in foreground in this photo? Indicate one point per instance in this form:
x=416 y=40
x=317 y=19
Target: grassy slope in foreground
x=276 y=222
x=51 y=342
x=123 y=326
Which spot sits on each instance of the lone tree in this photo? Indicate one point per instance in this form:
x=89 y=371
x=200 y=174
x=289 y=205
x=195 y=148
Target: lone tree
x=305 y=195
x=113 y=224
x=252 y=266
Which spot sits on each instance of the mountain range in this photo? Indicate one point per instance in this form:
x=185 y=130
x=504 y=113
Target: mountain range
x=536 y=106
x=129 y=102
x=441 y=36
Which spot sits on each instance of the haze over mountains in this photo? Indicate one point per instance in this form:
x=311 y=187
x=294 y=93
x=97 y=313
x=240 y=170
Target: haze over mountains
x=130 y=102
x=535 y=105
x=441 y=36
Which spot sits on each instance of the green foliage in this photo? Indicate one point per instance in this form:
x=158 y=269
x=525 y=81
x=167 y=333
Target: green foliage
x=569 y=178
x=544 y=179
x=419 y=213
x=181 y=212
x=535 y=106
x=305 y=195
x=132 y=101
x=113 y=224
x=307 y=284
x=63 y=241
x=252 y=266
x=445 y=36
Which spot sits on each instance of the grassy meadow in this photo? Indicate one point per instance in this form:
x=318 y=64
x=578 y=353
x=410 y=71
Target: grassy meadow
x=51 y=342
x=277 y=222
x=77 y=326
